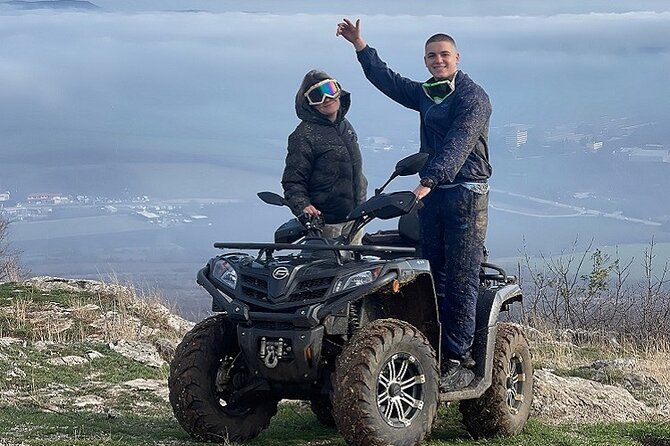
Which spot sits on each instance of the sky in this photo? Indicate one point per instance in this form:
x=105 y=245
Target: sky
x=135 y=78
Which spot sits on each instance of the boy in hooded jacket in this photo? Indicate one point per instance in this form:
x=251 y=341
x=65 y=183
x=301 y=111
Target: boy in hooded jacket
x=323 y=175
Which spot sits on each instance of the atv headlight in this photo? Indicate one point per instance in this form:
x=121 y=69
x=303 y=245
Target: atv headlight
x=225 y=273
x=357 y=279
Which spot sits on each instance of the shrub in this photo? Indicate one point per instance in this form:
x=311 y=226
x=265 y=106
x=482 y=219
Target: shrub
x=593 y=291
x=10 y=267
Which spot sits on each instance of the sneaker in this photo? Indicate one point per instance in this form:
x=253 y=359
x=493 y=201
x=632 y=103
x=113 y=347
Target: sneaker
x=468 y=362
x=454 y=376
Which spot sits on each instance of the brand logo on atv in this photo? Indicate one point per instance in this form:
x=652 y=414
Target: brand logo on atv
x=280 y=273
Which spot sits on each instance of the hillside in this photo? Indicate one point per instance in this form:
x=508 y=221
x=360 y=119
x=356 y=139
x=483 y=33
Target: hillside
x=82 y=362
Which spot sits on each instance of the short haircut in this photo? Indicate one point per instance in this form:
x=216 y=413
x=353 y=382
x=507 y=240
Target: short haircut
x=439 y=37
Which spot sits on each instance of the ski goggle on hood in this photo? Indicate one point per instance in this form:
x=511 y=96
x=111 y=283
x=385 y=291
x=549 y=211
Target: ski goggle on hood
x=317 y=93
x=438 y=91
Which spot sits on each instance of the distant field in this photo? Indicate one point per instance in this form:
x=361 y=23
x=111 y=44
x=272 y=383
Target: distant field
x=167 y=259
x=80 y=227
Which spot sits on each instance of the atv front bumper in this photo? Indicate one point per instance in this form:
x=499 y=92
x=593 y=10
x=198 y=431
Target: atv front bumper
x=290 y=356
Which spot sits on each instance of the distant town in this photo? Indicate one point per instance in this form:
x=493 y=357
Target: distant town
x=621 y=137
x=620 y=140
x=44 y=206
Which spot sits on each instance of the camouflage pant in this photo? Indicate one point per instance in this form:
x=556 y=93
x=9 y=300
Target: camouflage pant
x=453 y=227
x=335 y=230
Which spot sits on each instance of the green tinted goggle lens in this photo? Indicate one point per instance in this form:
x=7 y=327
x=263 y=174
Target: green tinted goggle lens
x=438 y=91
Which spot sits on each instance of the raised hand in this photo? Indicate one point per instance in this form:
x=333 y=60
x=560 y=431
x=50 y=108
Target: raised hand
x=351 y=32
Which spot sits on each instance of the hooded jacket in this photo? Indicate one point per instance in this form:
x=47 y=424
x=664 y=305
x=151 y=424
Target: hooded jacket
x=324 y=166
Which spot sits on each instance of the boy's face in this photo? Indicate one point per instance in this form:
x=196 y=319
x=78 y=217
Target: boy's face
x=329 y=107
x=441 y=60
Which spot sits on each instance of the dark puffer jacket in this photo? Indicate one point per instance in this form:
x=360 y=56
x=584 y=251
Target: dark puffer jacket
x=324 y=167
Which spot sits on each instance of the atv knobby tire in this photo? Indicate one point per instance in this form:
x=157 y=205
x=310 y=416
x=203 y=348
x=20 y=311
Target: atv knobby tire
x=386 y=386
x=504 y=408
x=205 y=371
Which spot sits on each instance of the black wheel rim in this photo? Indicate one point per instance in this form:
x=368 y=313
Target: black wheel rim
x=230 y=377
x=400 y=390
x=516 y=382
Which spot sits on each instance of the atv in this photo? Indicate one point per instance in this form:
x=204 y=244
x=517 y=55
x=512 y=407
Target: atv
x=353 y=329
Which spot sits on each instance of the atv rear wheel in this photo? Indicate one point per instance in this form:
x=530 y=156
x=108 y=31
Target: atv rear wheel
x=206 y=370
x=386 y=388
x=504 y=408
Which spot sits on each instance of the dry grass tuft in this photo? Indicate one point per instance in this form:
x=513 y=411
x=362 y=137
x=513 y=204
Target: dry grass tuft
x=60 y=310
x=657 y=364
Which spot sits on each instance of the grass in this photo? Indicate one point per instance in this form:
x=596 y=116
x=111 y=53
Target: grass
x=293 y=425
x=39 y=373
x=37 y=397
x=9 y=292
x=29 y=426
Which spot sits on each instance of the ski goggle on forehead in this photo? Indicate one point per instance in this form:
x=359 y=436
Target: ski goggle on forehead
x=317 y=93
x=438 y=91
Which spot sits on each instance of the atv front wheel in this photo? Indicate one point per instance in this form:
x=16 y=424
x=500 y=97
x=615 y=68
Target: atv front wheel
x=504 y=408
x=206 y=371
x=386 y=388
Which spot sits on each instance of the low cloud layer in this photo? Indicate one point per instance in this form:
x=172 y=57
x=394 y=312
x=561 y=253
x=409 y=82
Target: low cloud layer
x=192 y=81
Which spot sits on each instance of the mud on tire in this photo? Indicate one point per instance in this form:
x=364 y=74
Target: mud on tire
x=504 y=408
x=205 y=371
x=386 y=385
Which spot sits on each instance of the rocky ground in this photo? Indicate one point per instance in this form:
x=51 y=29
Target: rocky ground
x=582 y=378
x=49 y=336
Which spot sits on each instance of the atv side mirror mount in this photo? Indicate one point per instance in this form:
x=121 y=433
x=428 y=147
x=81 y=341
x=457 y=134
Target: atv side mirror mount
x=406 y=167
x=272 y=198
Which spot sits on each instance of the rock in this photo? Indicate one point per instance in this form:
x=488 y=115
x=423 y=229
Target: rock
x=52 y=321
x=138 y=351
x=626 y=373
x=145 y=384
x=174 y=322
x=42 y=346
x=6 y=342
x=577 y=400
x=88 y=400
x=68 y=361
x=150 y=385
x=92 y=354
x=14 y=372
x=48 y=283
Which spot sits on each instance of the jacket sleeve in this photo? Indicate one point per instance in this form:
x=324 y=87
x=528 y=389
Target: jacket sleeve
x=362 y=192
x=297 y=172
x=469 y=123
x=404 y=91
